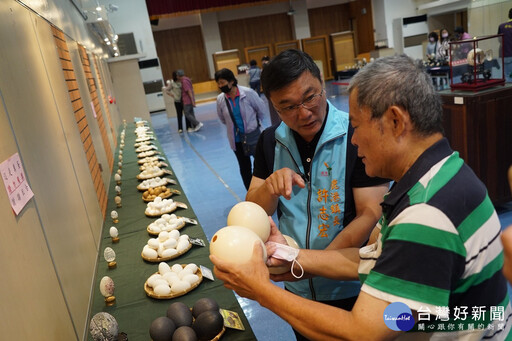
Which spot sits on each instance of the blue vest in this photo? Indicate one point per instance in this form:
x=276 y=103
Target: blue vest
x=314 y=215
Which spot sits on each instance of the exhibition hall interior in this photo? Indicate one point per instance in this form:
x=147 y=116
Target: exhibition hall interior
x=114 y=199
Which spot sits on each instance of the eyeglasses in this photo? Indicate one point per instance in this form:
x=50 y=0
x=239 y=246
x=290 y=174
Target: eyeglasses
x=308 y=103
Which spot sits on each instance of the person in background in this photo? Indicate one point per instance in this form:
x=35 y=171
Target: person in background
x=445 y=45
x=462 y=49
x=248 y=110
x=173 y=89
x=307 y=170
x=189 y=101
x=264 y=61
x=254 y=76
x=506 y=29
x=441 y=258
x=433 y=46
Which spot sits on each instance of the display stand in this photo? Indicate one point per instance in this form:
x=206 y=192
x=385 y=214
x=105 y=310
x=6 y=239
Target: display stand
x=478 y=126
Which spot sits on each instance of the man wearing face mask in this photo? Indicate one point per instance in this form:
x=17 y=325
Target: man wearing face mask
x=241 y=110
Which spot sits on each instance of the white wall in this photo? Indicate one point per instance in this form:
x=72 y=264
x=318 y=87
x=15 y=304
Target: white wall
x=396 y=9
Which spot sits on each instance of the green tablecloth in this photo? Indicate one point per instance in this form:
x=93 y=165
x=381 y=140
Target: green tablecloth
x=133 y=309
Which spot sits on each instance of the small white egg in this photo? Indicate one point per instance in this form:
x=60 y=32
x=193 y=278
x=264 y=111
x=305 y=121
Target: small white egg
x=154 y=228
x=162 y=289
x=180 y=287
x=113 y=232
x=192 y=267
x=191 y=278
x=160 y=250
x=170 y=243
x=174 y=234
x=149 y=253
x=165 y=217
x=160 y=281
x=182 y=245
x=151 y=280
x=153 y=243
x=183 y=237
x=171 y=277
x=176 y=268
x=160 y=221
x=184 y=272
x=157 y=200
x=163 y=268
x=173 y=216
x=163 y=236
x=168 y=253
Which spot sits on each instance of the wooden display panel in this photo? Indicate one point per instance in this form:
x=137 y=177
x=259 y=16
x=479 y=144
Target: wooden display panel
x=103 y=95
x=286 y=45
x=80 y=117
x=91 y=81
x=479 y=129
x=257 y=52
x=344 y=50
x=318 y=49
x=227 y=59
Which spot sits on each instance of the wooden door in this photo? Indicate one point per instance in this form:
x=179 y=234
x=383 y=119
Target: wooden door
x=343 y=49
x=257 y=52
x=286 y=45
x=318 y=49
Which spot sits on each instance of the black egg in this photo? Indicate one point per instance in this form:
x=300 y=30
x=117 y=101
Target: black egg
x=180 y=314
x=208 y=324
x=204 y=304
x=184 y=333
x=162 y=329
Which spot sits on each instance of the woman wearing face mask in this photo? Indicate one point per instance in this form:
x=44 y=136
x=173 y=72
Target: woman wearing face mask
x=241 y=110
x=445 y=45
x=433 y=47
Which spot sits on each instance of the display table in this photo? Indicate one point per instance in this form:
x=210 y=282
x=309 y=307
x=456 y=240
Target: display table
x=479 y=126
x=133 y=309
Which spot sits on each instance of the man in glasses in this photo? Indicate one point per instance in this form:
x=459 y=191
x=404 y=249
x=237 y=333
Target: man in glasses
x=307 y=169
x=433 y=265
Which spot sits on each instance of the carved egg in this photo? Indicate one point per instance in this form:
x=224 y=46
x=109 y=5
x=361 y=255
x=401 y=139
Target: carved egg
x=107 y=286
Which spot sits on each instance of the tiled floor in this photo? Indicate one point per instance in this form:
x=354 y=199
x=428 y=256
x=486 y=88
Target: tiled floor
x=208 y=172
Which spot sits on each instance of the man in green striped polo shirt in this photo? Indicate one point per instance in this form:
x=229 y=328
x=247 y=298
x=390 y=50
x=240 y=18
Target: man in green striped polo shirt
x=436 y=252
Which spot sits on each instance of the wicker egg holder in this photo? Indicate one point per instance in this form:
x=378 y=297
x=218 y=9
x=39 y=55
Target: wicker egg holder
x=158 y=164
x=178 y=227
x=165 y=259
x=151 y=176
x=145 y=148
x=144 y=139
x=147 y=159
x=168 y=181
x=167 y=193
x=146 y=154
x=149 y=290
x=178 y=205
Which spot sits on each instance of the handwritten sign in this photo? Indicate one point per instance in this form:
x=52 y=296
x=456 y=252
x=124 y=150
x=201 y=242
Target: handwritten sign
x=15 y=183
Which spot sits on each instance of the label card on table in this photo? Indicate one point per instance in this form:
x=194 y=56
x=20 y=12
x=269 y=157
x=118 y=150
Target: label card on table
x=232 y=319
x=15 y=183
x=207 y=272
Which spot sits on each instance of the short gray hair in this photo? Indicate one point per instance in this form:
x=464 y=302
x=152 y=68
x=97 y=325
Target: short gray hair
x=180 y=73
x=399 y=80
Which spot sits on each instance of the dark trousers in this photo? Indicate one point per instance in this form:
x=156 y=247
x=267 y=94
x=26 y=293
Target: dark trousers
x=244 y=162
x=179 y=113
x=345 y=304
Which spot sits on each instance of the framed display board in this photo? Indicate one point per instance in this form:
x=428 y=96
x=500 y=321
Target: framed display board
x=257 y=52
x=318 y=49
x=344 y=50
x=286 y=45
x=229 y=59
